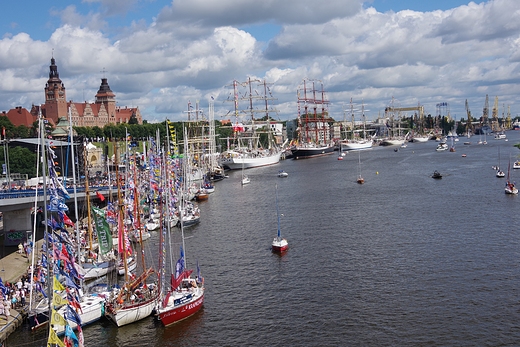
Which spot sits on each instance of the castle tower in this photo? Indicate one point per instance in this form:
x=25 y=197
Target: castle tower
x=55 y=97
x=106 y=97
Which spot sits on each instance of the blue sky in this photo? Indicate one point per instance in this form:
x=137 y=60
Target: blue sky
x=160 y=55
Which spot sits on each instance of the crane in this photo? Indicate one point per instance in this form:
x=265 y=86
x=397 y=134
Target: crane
x=495 y=126
x=468 y=122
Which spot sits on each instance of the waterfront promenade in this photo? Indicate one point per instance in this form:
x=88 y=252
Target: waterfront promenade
x=12 y=267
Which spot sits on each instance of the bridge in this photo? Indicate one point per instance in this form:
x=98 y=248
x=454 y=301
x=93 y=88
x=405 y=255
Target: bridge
x=16 y=207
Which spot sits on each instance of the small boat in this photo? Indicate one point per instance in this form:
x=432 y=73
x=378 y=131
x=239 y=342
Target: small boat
x=436 y=174
x=186 y=294
x=131 y=265
x=91 y=309
x=245 y=180
x=464 y=156
x=516 y=164
x=510 y=186
x=499 y=172
x=152 y=224
x=201 y=195
x=441 y=147
x=360 y=179
x=279 y=244
x=340 y=158
x=282 y=173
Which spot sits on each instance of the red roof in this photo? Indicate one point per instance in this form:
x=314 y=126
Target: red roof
x=20 y=116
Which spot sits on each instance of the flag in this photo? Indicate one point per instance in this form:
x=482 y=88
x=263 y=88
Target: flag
x=179 y=267
x=199 y=279
x=54 y=339
x=100 y=196
x=70 y=283
x=2 y=287
x=81 y=340
x=39 y=287
x=73 y=300
x=70 y=338
x=57 y=300
x=102 y=230
x=72 y=315
x=56 y=285
x=57 y=319
x=66 y=220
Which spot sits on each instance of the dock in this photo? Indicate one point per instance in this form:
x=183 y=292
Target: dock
x=12 y=267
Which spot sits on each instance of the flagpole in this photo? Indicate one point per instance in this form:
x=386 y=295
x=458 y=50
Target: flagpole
x=76 y=226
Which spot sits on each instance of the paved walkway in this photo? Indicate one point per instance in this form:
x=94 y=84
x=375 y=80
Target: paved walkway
x=14 y=265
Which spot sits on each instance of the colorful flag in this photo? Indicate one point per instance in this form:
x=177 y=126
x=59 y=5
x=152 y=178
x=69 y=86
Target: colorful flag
x=58 y=301
x=73 y=300
x=66 y=220
x=57 y=319
x=102 y=230
x=70 y=338
x=72 y=315
x=56 y=285
x=54 y=339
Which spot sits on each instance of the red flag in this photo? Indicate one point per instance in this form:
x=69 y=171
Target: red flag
x=100 y=196
x=67 y=221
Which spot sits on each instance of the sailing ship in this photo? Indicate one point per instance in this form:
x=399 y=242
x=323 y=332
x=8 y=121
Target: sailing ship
x=185 y=296
x=279 y=244
x=353 y=143
x=247 y=151
x=313 y=129
x=136 y=299
x=510 y=186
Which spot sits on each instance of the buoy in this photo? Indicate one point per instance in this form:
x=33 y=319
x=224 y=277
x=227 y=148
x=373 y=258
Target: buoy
x=377 y=172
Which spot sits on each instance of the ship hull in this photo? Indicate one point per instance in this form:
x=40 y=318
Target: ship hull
x=305 y=153
x=172 y=314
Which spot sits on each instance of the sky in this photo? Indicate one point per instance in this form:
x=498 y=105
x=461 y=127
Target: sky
x=163 y=56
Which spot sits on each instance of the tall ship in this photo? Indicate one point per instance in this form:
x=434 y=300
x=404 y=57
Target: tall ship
x=313 y=129
x=356 y=142
x=245 y=148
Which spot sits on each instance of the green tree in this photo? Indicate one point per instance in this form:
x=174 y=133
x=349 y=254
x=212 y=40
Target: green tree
x=21 y=160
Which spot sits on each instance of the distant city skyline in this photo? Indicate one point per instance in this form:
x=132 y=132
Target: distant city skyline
x=160 y=56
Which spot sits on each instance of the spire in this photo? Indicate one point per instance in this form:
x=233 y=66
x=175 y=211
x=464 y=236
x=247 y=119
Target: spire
x=53 y=73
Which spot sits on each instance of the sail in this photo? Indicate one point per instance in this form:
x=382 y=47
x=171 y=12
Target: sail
x=102 y=230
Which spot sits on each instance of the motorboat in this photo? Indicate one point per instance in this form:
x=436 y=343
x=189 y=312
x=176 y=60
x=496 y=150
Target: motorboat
x=282 y=173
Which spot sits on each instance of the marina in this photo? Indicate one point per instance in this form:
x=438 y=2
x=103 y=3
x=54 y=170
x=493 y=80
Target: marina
x=403 y=259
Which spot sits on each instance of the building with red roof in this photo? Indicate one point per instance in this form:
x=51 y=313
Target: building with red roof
x=101 y=112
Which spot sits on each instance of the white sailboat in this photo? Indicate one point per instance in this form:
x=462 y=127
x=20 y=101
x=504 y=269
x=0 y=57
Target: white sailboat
x=279 y=243
x=360 y=178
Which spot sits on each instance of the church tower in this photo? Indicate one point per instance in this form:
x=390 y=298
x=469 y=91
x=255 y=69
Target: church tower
x=106 y=97
x=55 y=97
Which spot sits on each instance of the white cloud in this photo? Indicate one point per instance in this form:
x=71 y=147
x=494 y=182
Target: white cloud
x=194 y=49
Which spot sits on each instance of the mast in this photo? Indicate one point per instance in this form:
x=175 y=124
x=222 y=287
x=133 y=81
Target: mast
x=121 y=227
x=278 y=212
x=87 y=196
x=78 y=236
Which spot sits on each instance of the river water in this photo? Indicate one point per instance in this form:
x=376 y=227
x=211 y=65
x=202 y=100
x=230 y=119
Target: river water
x=403 y=260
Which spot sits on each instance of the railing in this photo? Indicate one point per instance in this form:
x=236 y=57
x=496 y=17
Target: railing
x=28 y=193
